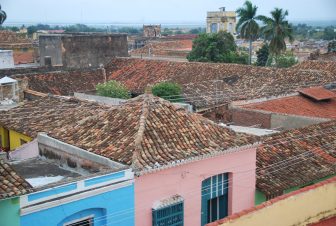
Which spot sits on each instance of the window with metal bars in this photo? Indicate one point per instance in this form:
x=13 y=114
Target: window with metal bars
x=82 y=222
x=172 y=215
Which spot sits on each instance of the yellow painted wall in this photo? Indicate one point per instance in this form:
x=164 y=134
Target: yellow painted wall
x=301 y=209
x=4 y=137
x=15 y=137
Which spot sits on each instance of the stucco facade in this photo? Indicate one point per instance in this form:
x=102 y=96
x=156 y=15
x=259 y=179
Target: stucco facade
x=185 y=180
x=4 y=137
x=304 y=207
x=10 y=139
x=6 y=59
x=221 y=21
x=103 y=200
x=17 y=139
x=10 y=212
x=83 y=49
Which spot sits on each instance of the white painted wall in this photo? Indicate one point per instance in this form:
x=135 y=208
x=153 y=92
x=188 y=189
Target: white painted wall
x=6 y=59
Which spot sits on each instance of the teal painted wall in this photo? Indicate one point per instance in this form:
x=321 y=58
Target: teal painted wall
x=305 y=185
x=10 y=212
x=260 y=197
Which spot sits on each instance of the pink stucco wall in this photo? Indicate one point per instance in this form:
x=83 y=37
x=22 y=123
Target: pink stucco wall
x=186 y=181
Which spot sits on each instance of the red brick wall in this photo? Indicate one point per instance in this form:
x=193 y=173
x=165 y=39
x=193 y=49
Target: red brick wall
x=219 y=114
x=249 y=118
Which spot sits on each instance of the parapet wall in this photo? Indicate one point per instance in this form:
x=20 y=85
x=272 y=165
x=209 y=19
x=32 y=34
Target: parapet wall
x=303 y=207
x=82 y=51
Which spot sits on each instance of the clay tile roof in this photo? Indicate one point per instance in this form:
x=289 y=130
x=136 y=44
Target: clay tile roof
x=145 y=132
x=166 y=48
x=296 y=157
x=65 y=82
x=46 y=114
x=148 y=131
x=329 y=66
x=317 y=93
x=201 y=80
x=11 y=184
x=297 y=105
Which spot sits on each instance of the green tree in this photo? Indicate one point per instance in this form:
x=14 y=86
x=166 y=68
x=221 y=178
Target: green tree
x=277 y=29
x=3 y=16
x=168 y=90
x=329 y=33
x=112 y=89
x=197 y=31
x=216 y=47
x=247 y=25
x=262 y=55
x=130 y=30
x=286 y=60
x=332 y=46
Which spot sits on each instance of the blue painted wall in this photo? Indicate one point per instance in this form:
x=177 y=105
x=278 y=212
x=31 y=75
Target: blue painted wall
x=110 y=208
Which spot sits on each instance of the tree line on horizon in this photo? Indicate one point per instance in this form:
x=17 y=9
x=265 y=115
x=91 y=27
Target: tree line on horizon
x=275 y=30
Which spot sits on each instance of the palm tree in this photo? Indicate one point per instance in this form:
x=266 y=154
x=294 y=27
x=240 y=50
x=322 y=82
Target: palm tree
x=3 y=16
x=247 y=24
x=277 y=29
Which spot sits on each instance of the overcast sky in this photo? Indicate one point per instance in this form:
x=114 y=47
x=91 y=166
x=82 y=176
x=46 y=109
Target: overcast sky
x=152 y=11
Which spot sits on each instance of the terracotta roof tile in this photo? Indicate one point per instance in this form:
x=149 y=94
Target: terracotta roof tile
x=199 y=80
x=166 y=48
x=23 y=57
x=232 y=81
x=64 y=82
x=317 y=65
x=297 y=105
x=11 y=184
x=145 y=132
x=296 y=157
x=317 y=93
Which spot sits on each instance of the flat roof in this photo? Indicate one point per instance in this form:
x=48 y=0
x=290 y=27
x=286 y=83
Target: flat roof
x=250 y=130
x=5 y=50
x=40 y=171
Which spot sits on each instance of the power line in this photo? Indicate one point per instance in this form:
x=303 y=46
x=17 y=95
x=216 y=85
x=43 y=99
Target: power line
x=227 y=182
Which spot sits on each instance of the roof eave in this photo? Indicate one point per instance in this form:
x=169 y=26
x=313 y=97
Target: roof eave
x=169 y=165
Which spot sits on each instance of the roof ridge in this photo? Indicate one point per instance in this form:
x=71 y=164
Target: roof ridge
x=141 y=130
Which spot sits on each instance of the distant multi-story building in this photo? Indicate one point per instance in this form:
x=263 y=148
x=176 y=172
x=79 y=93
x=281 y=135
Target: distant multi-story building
x=221 y=21
x=80 y=50
x=152 y=31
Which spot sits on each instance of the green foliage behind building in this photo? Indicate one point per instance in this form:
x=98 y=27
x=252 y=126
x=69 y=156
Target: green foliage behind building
x=168 y=90
x=113 y=89
x=219 y=47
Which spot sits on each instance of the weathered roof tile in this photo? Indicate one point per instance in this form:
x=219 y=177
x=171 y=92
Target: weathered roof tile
x=144 y=132
x=11 y=184
x=296 y=157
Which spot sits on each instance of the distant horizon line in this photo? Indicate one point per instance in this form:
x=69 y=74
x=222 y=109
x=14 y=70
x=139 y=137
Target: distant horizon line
x=183 y=23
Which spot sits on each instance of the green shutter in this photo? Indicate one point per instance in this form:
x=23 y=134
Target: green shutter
x=172 y=215
x=214 y=194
